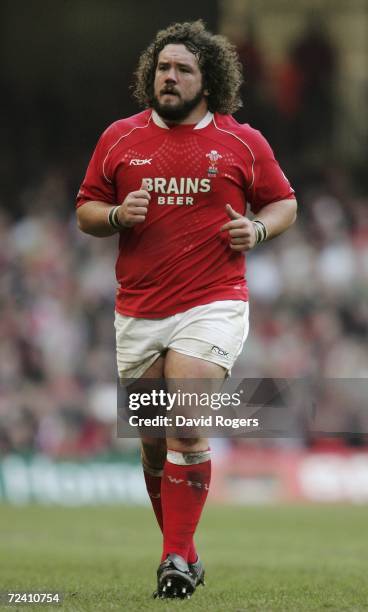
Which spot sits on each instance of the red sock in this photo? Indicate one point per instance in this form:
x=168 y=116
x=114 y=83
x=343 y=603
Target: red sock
x=153 y=485
x=184 y=491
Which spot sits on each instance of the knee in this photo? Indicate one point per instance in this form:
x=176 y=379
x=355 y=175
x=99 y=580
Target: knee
x=154 y=453
x=188 y=445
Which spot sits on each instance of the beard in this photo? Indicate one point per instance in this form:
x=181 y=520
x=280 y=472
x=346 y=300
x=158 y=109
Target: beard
x=179 y=111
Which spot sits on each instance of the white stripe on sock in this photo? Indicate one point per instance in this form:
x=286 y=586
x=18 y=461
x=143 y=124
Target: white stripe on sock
x=188 y=458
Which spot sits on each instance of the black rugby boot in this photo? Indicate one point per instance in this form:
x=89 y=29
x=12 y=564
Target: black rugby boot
x=174 y=579
x=197 y=571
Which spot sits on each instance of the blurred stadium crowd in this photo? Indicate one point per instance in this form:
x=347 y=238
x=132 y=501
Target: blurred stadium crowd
x=309 y=307
x=309 y=315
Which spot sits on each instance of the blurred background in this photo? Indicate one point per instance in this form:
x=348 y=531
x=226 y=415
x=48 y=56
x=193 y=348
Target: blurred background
x=66 y=73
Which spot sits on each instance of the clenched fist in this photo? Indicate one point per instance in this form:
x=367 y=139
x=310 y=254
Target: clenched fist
x=242 y=232
x=134 y=208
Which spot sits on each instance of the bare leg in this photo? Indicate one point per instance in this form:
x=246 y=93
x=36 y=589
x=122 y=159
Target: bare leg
x=178 y=366
x=153 y=449
x=187 y=471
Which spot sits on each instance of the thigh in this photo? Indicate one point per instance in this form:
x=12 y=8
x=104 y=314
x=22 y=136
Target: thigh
x=139 y=346
x=153 y=449
x=214 y=333
x=178 y=366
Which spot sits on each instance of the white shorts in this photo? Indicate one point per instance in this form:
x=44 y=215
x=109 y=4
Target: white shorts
x=214 y=332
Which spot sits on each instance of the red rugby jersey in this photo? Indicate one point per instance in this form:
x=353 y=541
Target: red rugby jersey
x=177 y=258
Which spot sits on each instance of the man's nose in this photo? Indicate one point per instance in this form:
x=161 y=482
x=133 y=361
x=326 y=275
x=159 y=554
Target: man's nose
x=171 y=75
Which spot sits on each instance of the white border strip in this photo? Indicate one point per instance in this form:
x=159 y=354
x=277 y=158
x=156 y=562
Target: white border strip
x=188 y=458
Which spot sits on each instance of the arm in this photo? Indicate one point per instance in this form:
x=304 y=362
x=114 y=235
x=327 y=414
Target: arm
x=93 y=217
x=277 y=217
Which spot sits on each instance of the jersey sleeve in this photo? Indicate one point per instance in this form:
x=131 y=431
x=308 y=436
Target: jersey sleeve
x=269 y=183
x=96 y=185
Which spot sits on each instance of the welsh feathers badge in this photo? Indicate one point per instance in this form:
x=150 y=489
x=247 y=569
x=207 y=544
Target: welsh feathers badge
x=213 y=157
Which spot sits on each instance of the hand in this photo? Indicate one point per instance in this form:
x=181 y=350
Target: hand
x=241 y=231
x=135 y=206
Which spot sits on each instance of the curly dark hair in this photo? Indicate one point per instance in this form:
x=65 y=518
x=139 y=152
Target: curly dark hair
x=218 y=60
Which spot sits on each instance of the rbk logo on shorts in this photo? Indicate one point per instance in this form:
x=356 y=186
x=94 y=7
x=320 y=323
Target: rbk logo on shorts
x=219 y=351
x=140 y=162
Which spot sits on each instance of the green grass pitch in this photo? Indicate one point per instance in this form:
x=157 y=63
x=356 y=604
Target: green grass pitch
x=258 y=558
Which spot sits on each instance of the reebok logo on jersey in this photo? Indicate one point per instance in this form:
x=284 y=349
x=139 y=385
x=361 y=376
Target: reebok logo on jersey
x=140 y=162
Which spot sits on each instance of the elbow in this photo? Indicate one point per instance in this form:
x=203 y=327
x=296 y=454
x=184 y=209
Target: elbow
x=294 y=213
x=81 y=224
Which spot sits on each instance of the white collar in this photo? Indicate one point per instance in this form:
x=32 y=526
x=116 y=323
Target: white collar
x=202 y=123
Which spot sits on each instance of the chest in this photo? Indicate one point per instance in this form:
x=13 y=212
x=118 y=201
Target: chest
x=179 y=169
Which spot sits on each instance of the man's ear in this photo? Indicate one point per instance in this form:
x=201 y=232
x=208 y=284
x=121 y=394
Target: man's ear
x=206 y=92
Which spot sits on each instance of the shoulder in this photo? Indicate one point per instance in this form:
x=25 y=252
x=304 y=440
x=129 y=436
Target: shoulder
x=123 y=127
x=251 y=138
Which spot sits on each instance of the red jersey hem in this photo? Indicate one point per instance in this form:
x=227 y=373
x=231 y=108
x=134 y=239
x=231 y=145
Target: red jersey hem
x=130 y=312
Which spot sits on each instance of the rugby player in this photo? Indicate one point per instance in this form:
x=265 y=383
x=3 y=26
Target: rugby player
x=176 y=182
